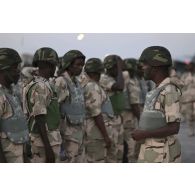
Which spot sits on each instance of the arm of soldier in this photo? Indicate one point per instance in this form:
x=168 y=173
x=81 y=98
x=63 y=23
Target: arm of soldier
x=39 y=110
x=2 y=156
x=101 y=126
x=93 y=104
x=61 y=89
x=172 y=114
x=119 y=84
x=40 y=122
x=172 y=128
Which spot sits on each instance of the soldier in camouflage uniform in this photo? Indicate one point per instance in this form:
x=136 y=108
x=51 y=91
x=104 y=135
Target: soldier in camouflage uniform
x=188 y=97
x=43 y=109
x=160 y=120
x=13 y=125
x=145 y=86
x=72 y=108
x=113 y=84
x=99 y=113
x=131 y=113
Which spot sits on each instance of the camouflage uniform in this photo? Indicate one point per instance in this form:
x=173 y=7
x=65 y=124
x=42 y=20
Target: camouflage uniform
x=117 y=134
x=13 y=151
x=41 y=99
x=95 y=99
x=130 y=121
x=72 y=134
x=166 y=100
x=188 y=101
x=166 y=149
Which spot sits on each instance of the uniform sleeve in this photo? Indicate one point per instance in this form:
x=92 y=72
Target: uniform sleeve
x=134 y=92
x=107 y=82
x=172 y=104
x=93 y=102
x=39 y=99
x=61 y=89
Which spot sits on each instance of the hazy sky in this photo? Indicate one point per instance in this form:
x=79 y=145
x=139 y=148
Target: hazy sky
x=181 y=46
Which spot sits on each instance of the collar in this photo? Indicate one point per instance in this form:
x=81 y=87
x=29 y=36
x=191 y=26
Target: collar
x=165 y=81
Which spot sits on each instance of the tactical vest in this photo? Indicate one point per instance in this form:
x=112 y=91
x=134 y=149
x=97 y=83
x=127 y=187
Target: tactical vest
x=73 y=108
x=152 y=119
x=107 y=108
x=118 y=102
x=15 y=127
x=53 y=113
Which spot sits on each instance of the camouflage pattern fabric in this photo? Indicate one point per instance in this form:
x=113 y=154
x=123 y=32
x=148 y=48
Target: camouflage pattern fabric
x=95 y=147
x=73 y=134
x=156 y=56
x=166 y=149
x=117 y=136
x=69 y=57
x=8 y=57
x=129 y=120
x=188 y=101
x=39 y=153
x=13 y=152
x=40 y=99
x=45 y=54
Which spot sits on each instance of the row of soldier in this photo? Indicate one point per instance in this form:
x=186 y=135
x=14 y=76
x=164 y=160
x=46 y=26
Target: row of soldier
x=90 y=111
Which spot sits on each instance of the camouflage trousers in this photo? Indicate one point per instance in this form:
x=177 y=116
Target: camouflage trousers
x=13 y=152
x=189 y=115
x=95 y=151
x=116 y=134
x=129 y=123
x=73 y=139
x=162 y=150
x=38 y=149
x=73 y=152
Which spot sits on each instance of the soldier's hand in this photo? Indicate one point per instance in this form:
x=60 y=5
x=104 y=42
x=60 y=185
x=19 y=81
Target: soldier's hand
x=108 y=142
x=50 y=156
x=139 y=135
x=120 y=63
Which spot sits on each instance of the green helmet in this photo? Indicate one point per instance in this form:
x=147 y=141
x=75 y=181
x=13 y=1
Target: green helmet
x=156 y=56
x=94 y=65
x=45 y=54
x=8 y=57
x=110 y=61
x=70 y=56
x=130 y=64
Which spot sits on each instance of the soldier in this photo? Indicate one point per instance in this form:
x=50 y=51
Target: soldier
x=72 y=108
x=13 y=124
x=99 y=113
x=188 y=98
x=43 y=109
x=145 y=86
x=113 y=83
x=131 y=113
x=160 y=120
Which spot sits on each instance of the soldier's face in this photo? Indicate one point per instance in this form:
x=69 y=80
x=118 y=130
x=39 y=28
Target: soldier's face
x=77 y=66
x=52 y=69
x=147 y=71
x=12 y=74
x=112 y=71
